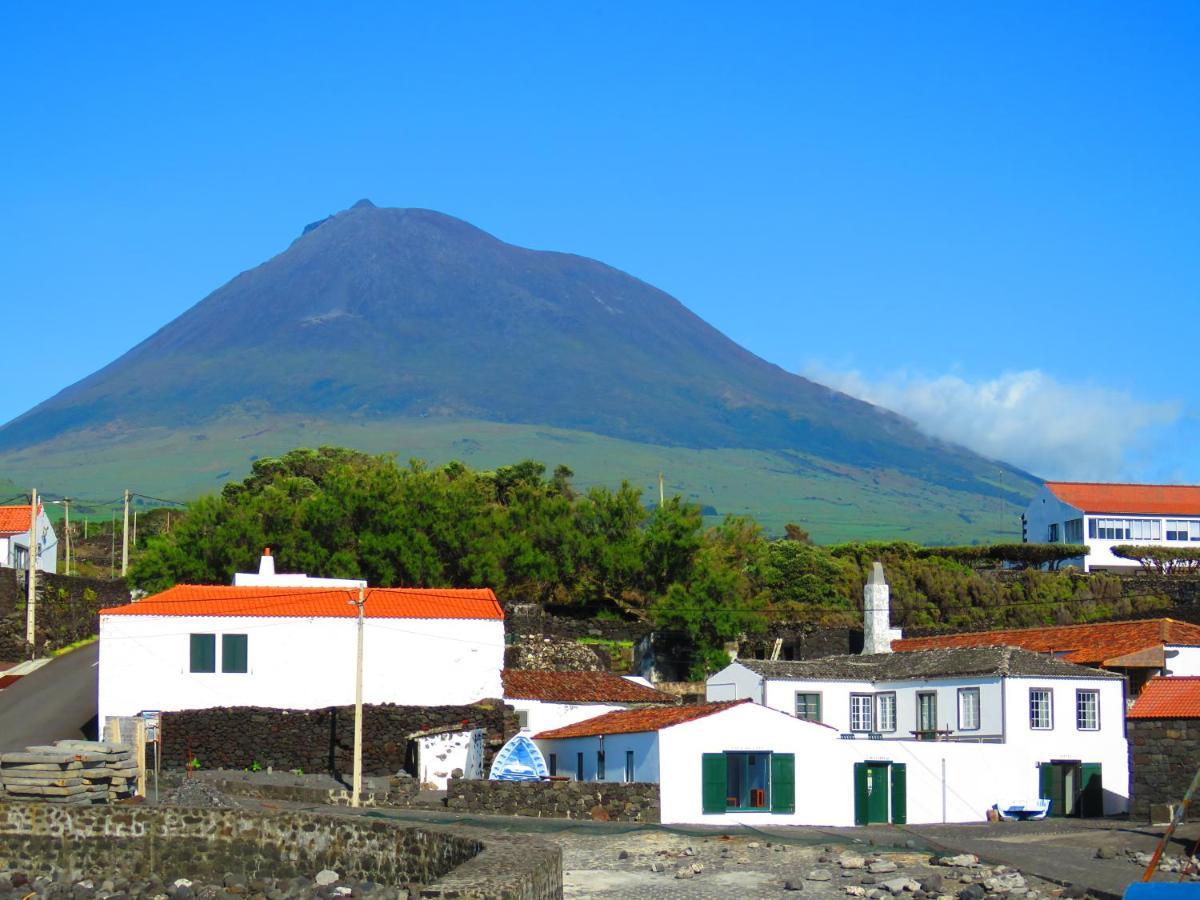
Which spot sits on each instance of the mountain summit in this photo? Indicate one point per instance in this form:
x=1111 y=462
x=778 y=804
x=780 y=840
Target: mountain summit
x=409 y=315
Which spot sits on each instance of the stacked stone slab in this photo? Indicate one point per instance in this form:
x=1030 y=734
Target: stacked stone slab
x=71 y=772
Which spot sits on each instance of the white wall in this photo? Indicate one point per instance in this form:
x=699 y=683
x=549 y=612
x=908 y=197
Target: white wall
x=1065 y=741
x=1182 y=660
x=543 y=716
x=297 y=663
x=643 y=744
x=440 y=754
x=734 y=682
x=1046 y=509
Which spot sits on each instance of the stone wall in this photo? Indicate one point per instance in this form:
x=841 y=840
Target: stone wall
x=634 y=802
x=67 y=611
x=1163 y=757
x=320 y=740
x=172 y=843
x=802 y=642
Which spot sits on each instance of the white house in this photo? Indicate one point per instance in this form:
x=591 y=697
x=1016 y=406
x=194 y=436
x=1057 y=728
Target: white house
x=1138 y=650
x=1104 y=515
x=192 y=647
x=14 y=539
x=545 y=700
x=742 y=763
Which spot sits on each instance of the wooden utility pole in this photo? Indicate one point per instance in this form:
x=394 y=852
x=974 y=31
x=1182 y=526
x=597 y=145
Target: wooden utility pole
x=67 y=529
x=31 y=577
x=356 y=790
x=135 y=529
x=662 y=492
x=125 y=537
x=112 y=568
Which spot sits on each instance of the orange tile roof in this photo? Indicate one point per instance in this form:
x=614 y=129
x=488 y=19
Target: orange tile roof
x=632 y=721
x=1091 y=644
x=381 y=603
x=1138 y=499
x=1177 y=697
x=14 y=519
x=577 y=687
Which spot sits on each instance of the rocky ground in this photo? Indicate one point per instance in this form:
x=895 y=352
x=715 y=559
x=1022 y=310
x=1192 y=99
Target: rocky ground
x=661 y=864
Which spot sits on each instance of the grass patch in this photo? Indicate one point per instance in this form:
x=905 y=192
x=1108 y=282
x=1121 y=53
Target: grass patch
x=83 y=642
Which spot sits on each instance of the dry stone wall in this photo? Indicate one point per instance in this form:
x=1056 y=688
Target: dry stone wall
x=625 y=802
x=68 y=610
x=320 y=740
x=196 y=843
x=1163 y=757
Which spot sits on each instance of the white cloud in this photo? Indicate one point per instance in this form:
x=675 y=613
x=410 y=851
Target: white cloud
x=1028 y=418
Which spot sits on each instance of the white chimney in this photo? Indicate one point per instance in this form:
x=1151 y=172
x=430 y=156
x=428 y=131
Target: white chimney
x=878 y=633
x=266 y=565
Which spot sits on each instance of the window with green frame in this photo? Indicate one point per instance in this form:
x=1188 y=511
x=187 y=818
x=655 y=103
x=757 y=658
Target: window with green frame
x=202 y=653
x=739 y=781
x=234 y=653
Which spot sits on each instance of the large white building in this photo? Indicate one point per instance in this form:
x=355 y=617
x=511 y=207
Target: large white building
x=288 y=647
x=1105 y=515
x=14 y=539
x=741 y=763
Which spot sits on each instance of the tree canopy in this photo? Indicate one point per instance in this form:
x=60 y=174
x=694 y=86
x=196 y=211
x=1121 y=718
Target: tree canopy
x=534 y=537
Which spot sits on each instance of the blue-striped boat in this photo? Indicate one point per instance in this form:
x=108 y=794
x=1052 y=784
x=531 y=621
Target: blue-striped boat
x=519 y=760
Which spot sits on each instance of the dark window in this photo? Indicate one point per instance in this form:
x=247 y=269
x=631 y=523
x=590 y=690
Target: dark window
x=579 y=767
x=234 y=652
x=629 y=765
x=599 y=765
x=203 y=653
x=748 y=780
x=1052 y=534
x=926 y=712
x=552 y=763
x=808 y=707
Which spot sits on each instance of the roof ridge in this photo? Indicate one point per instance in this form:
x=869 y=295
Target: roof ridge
x=1140 y=484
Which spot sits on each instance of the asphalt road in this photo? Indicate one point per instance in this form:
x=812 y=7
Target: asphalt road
x=58 y=701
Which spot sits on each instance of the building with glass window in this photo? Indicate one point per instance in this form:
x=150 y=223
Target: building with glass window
x=294 y=647
x=1102 y=516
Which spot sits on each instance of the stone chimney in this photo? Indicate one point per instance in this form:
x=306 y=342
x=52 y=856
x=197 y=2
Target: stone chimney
x=878 y=633
x=266 y=565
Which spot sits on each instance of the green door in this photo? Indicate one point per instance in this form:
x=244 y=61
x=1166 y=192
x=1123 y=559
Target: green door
x=871 y=792
x=899 y=793
x=1091 y=794
x=1050 y=784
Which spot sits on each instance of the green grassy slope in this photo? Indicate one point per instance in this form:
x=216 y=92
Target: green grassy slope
x=836 y=502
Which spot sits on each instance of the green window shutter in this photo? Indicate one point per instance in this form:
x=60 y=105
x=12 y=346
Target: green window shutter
x=203 y=655
x=1046 y=782
x=783 y=782
x=860 y=794
x=899 y=793
x=1091 y=798
x=234 y=653
x=714 y=786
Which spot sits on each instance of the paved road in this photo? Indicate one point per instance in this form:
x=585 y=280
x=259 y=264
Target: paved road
x=57 y=701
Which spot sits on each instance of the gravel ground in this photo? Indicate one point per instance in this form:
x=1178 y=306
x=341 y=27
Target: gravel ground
x=661 y=864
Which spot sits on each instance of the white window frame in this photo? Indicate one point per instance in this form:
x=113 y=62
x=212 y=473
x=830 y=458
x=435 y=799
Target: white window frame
x=1080 y=721
x=1038 y=722
x=862 y=712
x=964 y=723
x=885 y=711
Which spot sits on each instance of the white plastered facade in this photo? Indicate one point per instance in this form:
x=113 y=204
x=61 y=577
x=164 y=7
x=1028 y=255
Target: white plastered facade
x=297 y=663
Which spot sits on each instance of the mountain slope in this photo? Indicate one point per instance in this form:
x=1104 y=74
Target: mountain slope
x=394 y=315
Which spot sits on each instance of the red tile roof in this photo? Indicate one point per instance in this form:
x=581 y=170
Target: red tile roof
x=381 y=603
x=632 y=721
x=1138 y=499
x=578 y=687
x=1177 y=697
x=1092 y=644
x=14 y=519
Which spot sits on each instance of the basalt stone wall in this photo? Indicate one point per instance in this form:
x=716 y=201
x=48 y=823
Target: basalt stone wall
x=626 y=802
x=1163 y=755
x=68 y=610
x=319 y=740
x=174 y=843
x=802 y=642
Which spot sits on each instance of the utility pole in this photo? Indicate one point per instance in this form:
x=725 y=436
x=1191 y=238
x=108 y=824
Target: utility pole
x=67 y=528
x=356 y=790
x=125 y=537
x=31 y=578
x=112 y=530
x=662 y=493
x=135 y=529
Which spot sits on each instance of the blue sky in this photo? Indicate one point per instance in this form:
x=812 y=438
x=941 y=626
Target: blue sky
x=984 y=216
